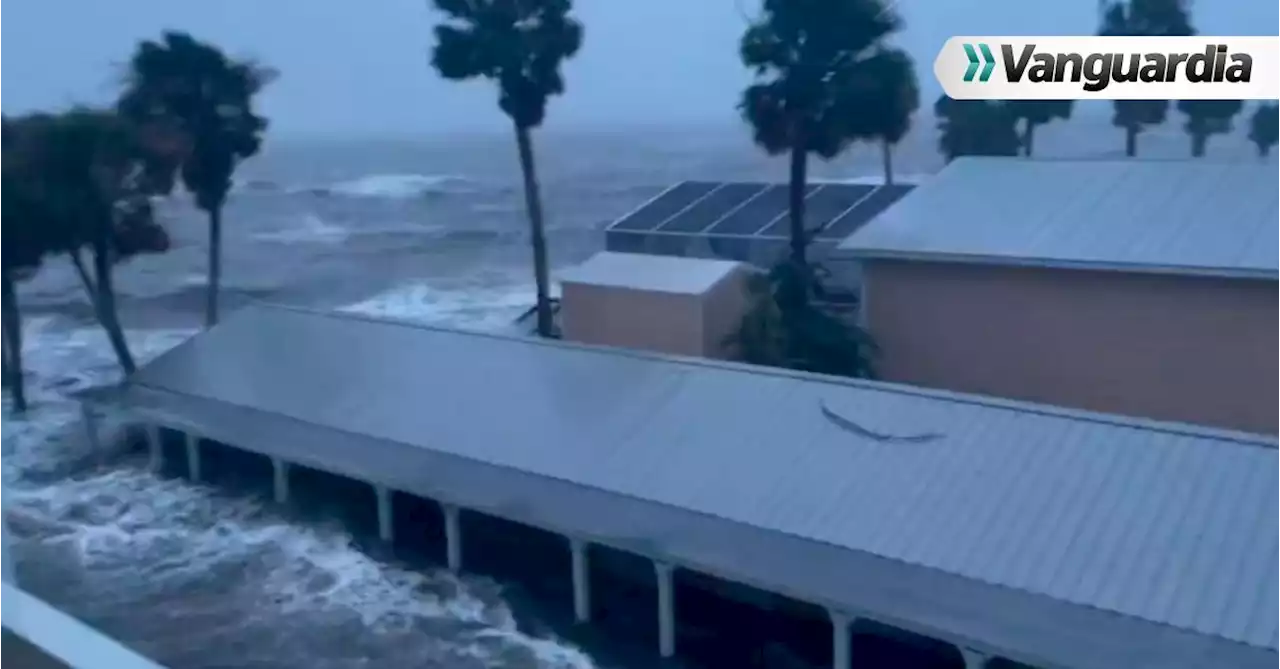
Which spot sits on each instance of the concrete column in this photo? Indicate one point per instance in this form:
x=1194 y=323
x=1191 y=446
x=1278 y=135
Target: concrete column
x=452 y=537
x=280 y=480
x=841 y=643
x=386 y=526
x=91 y=431
x=666 y=609
x=193 y=457
x=974 y=659
x=155 y=448
x=581 y=581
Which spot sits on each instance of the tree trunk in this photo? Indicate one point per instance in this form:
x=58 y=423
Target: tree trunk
x=1029 y=140
x=795 y=199
x=11 y=319
x=1131 y=141
x=215 y=267
x=886 y=157
x=102 y=296
x=1264 y=149
x=537 y=233
x=1199 y=141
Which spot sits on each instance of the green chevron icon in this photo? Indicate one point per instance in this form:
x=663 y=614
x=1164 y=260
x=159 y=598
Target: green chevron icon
x=987 y=58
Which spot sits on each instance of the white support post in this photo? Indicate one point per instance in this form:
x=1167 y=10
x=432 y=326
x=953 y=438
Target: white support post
x=155 y=448
x=666 y=609
x=193 y=457
x=280 y=480
x=581 y=581
x=6 y=554
x=841 y=643
x=90 y=420
x=973 y=659
x=452 y=537
x=386 y=528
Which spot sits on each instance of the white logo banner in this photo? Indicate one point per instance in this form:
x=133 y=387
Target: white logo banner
x=1110 y=68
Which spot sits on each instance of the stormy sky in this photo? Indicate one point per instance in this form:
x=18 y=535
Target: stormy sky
x=361 y=68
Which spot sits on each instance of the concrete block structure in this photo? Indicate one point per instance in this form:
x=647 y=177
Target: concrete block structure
x=683 y=306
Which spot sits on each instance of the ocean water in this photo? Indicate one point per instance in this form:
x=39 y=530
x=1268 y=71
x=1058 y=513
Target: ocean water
x=424 y=230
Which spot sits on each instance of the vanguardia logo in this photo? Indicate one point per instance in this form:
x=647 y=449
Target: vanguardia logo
x=988 y=62
x=1096 y=71
x=1116 y=68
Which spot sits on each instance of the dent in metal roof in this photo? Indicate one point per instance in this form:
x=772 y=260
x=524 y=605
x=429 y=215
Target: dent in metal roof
x=1173 y=216
x=1168 y=524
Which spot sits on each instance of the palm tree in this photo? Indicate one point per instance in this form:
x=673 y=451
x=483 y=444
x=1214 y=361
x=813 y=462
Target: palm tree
x=1206 y=118
x=1264 y=127
x=76 y=181
x=1147 y=18
x=184 y=83
x=1033 y=113
x=976 y=128
x=519 y=46
x=785 y=327
x=807 y=59
x=20 y=257
x=890 y=95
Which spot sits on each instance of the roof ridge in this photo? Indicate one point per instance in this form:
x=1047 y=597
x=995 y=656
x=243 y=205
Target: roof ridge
x=972 y=399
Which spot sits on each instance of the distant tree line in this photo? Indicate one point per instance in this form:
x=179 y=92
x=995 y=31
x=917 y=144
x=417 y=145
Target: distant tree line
x=993 y=128
x=79 y=183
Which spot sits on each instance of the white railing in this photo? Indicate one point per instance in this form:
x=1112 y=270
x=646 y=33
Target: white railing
x=57 y=634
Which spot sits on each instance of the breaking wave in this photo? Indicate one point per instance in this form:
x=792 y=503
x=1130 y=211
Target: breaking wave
x=387 y=186
x=397 y=186
x=312 y=229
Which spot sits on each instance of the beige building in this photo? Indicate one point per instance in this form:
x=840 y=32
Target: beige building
x=1145 y=288
x=681 y=306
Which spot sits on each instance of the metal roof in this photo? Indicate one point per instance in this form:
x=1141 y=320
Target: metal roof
x=1053 y=537
x=1180 y=217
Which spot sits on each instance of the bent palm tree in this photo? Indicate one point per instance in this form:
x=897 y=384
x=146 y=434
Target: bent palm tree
x=520 y=47
x=806 y=58
x=184 y=83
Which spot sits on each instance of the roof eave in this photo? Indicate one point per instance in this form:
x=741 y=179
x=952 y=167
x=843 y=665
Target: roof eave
x=1057 y=263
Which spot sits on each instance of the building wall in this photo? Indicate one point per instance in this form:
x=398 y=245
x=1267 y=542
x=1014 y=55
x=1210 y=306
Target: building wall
x=722 y=314
x=646 y=320
x=1194 y=349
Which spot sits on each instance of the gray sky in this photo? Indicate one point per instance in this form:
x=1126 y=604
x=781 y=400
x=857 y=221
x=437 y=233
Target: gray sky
x=362 y=67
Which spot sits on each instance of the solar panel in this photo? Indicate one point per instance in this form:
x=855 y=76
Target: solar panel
x=658 y=210
x=756 y=214
x=828 y=202
x=872 y=206
x=708 y=210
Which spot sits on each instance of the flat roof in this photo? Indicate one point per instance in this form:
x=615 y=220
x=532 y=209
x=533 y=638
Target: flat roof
x=644 y=271
x=1049 y=536
x=1194 y=217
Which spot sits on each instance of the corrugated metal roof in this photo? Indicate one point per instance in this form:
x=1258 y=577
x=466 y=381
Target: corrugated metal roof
x=1185 y=217
x=1036 y=520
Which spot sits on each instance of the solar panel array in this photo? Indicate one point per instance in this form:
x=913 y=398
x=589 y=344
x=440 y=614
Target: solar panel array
x=756 y=210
